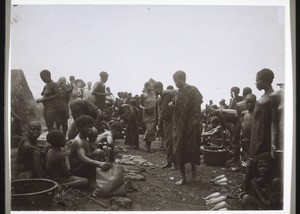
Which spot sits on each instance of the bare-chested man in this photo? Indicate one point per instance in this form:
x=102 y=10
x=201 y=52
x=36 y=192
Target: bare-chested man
x=83 y=159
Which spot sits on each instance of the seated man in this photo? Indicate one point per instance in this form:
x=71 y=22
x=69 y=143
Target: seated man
x=30 y=158
x=104 y=131
x=98 y=141
x=216 y=130
x=83 y=159
x=56 y=167
x=229 y=119
x=215 y=133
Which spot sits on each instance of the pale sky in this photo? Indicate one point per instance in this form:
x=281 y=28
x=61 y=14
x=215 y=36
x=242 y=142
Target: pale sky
x=217 y=46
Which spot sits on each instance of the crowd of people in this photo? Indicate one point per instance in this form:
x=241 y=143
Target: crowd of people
x=92 y=118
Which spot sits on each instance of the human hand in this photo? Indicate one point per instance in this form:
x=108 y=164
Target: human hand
x=171 y=105
x=99 y=113
x=104 y=165
x=249 y=162
x=158 y=132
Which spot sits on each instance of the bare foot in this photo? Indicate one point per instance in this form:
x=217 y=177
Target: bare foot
x=174 y=168
x=168 y=165
x=180 y=182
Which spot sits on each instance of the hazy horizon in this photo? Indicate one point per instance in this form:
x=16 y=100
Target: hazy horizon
x=217 y=46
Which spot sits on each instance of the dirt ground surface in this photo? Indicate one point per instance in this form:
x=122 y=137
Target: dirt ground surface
x=158 y=191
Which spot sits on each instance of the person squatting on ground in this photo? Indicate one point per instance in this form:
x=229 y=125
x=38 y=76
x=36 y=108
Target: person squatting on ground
x=215 y=133
x=50 y=95
x=83 y=159
x=100 y=143
x=186 y=125
x=148 y=104
x=230 y=120
x=56 y=167
x=104 y=135
x=165 y=125
x=30 y=158
x=266 y=188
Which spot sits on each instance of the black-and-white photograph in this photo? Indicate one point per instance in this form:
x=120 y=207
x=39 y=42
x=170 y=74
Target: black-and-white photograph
x=149 y=107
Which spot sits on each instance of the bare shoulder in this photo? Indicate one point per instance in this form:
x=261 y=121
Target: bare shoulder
x=79 y=143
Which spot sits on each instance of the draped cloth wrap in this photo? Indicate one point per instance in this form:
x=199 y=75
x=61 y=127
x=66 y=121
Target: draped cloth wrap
x=186 y=125
x=261 y=129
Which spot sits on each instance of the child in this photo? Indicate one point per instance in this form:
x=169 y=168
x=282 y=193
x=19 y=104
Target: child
x=246 y=117
x=266 y=188
x=55 y=162
x=83 y=159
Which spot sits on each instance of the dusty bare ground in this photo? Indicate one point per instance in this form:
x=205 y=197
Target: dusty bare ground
x=158 y=192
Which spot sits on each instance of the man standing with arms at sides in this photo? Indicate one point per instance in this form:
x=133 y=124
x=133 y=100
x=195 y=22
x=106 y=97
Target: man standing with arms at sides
x=50 y=99
x=99 y=91
x=186 y=125
x=164 y=124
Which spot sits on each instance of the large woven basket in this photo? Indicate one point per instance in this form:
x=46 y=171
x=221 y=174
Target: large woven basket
x=215 y=156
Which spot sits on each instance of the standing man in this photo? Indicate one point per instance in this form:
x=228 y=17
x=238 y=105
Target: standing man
x=148 y=104
x=164 y=126
x=186 y=125
x=242 y=105
x=50 y=99
x=235 y=97
x=87 y=91
x=62 y=116
x=74 y=88
x=99 y=91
